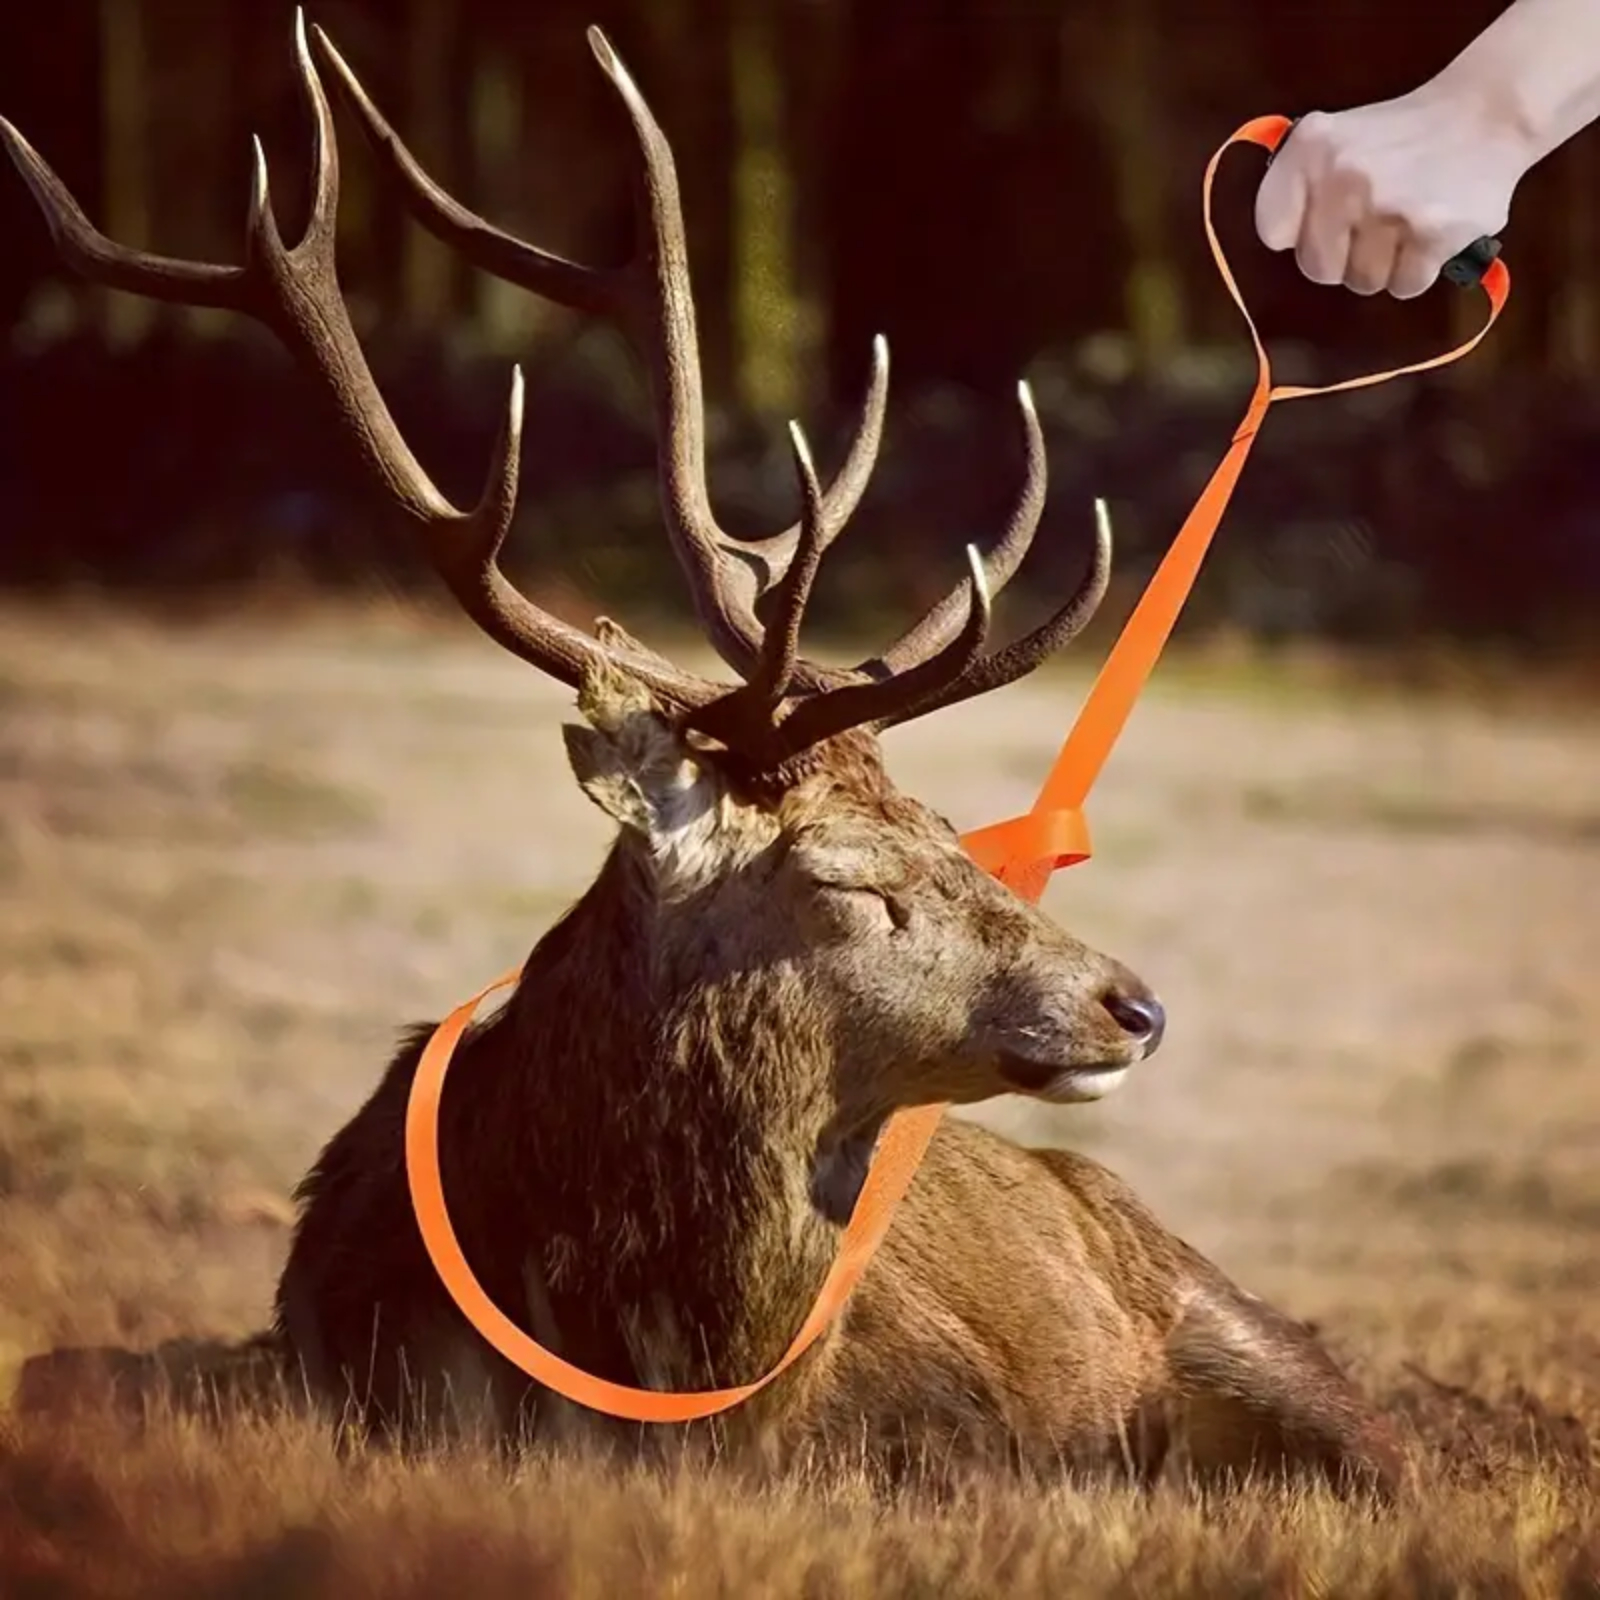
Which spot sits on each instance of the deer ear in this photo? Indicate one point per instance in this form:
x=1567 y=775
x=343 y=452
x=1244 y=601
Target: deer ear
x=631 y=761
x=603 y=777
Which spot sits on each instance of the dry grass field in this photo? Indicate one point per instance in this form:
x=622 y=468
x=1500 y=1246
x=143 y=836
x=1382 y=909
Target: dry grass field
x=234 y=859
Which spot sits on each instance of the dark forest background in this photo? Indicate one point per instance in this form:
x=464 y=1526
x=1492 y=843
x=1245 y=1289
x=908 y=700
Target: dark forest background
x=1005 y=188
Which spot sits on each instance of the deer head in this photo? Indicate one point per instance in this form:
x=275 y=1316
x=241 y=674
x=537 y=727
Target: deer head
x=759 y=833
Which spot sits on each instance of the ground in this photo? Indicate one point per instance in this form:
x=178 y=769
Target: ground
x=235 y=857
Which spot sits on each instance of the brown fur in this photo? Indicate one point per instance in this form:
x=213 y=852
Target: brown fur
x=649 y=1149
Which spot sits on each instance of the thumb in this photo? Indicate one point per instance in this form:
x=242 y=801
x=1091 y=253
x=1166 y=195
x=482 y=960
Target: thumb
x=1281 y=202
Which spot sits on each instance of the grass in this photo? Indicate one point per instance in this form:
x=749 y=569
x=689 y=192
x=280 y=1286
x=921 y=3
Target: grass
x=235 y=858
x=247 y=1513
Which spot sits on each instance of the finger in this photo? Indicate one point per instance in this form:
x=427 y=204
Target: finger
x=1281 y=202
x=1416 y=269
x=1323 y=248
x=1338 y=203
x=1431 y=245
x=1374 y=251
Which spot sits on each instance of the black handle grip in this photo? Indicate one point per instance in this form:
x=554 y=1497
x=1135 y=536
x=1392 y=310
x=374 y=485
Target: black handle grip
x=1465 y=269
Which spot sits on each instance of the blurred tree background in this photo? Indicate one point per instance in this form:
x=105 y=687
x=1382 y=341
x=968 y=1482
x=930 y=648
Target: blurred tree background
x=1004 y=188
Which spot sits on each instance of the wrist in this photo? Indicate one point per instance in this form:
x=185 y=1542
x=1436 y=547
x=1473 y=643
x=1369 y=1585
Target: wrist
x=1491 y=111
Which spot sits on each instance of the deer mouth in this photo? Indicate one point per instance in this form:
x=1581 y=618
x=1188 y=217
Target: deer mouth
x=1062 y=1085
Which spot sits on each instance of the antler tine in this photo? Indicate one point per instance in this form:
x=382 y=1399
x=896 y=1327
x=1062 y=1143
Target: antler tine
x=878 y=704
x=651 y=300
x=589 y=289
x=1022 y=656
x=1000 y=563
x=897 y=686
x=774 y=672
x=295 y=291
x=93 y=256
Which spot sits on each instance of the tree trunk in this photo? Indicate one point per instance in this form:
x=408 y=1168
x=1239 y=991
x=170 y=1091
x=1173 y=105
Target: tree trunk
x=505 y=313
x=429 y=273
x=768 y=337
x=809 y=45
x=125 y=125
x=1127 y=90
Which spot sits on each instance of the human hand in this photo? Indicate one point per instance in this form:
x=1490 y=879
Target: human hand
x=1382 y=196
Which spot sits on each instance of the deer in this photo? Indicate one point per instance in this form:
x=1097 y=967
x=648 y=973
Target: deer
x=650 y=1149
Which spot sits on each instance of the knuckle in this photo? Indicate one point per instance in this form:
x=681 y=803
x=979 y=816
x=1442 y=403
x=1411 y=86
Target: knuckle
x=1322 y=259
x=1276 y=225
x=1349 y=183
x=1413 y=275
x=1317 y=129
x=1441 y=229
x=1276 y=232
x=1429 y=219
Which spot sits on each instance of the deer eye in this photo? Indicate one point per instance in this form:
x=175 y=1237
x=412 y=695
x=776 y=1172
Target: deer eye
x=892 y=905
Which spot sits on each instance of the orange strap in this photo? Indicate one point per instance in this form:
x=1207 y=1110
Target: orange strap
x=1022 y=853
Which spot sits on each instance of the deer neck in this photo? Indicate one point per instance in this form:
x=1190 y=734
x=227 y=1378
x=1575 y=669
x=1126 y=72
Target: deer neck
x=674 y=1108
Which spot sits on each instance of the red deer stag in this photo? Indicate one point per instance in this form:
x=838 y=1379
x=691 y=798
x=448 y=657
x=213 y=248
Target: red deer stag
x=650 y=1149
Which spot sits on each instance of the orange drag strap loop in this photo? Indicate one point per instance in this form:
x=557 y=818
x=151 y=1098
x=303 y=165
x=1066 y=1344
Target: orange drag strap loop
x=1058 y=837
x=1022 y=853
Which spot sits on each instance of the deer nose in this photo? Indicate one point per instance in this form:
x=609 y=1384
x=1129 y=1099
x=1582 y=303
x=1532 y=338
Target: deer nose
x=1142 y=1017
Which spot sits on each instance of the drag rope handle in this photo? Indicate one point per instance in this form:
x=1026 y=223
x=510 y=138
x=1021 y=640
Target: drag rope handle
x=1022 y=853
x=1465 y=269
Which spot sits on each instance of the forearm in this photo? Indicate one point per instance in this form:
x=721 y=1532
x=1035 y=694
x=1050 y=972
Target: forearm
x=1534 y=72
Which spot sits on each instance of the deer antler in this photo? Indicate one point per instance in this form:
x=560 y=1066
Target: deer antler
x=785 y=704
x=294 y=290
x=650 y=299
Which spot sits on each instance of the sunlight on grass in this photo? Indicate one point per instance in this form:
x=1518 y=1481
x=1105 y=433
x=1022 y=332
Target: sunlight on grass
x=235 y=861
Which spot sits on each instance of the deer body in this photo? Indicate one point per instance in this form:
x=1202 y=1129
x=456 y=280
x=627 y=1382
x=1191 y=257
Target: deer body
x=967 y=1330
x=649 y=1152
x=645 y=1143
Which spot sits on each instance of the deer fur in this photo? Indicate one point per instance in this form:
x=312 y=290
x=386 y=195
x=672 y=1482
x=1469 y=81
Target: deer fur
x=650 y=1149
